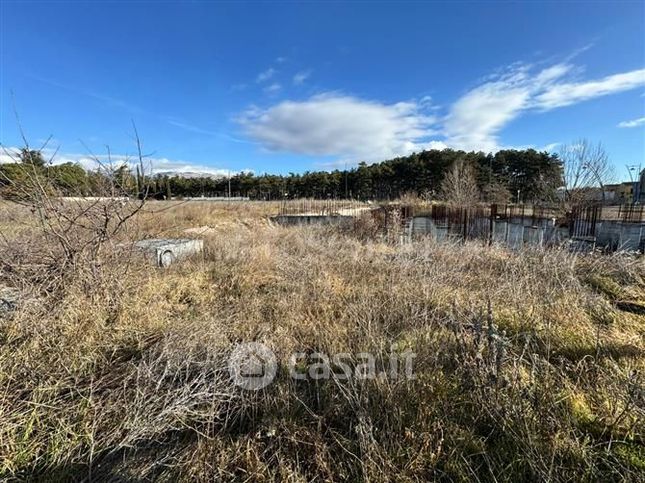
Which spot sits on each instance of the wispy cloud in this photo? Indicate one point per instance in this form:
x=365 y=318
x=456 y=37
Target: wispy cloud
x=266 y=75
x=475 y=120
x=301 y=77
x=273 y=88
x=196 y=129
x=338 y=125
x=105 y=99
x=550 y=147
x=633 y=123
x=476 y=117
x=570 y=93
x=189 y=127
x=280 y=60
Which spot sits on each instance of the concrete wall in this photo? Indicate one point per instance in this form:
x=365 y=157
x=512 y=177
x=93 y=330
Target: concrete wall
x=621 y=236
x=517 y=232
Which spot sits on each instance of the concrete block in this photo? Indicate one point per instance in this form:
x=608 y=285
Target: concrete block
x=165 y=251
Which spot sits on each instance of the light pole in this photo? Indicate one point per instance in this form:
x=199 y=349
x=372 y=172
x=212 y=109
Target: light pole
x=636 y=185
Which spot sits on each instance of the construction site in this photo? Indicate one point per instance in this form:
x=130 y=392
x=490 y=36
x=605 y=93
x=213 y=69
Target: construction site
x=582 y=228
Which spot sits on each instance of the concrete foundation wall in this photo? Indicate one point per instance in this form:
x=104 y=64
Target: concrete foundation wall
x=516 y=233
x=621 y=236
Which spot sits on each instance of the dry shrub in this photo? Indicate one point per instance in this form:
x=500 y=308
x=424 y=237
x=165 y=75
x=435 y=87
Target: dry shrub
x=516 y=377
x=459 y=185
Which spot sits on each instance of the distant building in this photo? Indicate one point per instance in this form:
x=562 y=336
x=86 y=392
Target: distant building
x=620 y=193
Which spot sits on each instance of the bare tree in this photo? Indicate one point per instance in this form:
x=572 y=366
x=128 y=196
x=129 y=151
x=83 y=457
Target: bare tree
x=74 y=231
x=496 y=192
x=459 y=185
x=586 y=169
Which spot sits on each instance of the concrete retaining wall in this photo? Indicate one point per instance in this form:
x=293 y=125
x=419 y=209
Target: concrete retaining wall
x=621 y=236
x=517 y=232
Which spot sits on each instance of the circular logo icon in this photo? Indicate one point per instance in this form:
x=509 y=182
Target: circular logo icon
x=252 y=366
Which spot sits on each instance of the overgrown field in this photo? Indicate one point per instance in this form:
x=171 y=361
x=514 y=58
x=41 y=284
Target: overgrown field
x=530 y=365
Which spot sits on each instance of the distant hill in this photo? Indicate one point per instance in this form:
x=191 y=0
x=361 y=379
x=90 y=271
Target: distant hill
x=190 y=174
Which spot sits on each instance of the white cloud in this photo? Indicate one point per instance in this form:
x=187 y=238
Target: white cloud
x=476 y=117
x=550 y=147
x=439 y=145
x=281 y=60
x=8 y=155
x=570 y=93
x=273 y=88
x=300 y=77
x=356 y=129
x=339 y=125
x=475 y=120
x=266 y=75
x=633 y=123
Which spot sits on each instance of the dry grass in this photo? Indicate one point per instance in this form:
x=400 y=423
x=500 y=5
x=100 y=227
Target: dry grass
x=123 y=373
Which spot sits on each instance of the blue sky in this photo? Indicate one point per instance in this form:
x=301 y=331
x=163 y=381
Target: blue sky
x=289 y=86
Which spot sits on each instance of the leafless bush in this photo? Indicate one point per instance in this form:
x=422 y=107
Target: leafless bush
x=459 y=185
x=586 y=166
x=66 y=235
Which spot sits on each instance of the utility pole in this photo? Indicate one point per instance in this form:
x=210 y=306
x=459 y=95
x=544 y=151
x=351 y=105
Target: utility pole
x=229 y=185
x=636 y=185
x=345 y=180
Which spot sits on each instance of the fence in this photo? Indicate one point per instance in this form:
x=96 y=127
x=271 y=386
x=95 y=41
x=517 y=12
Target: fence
x=631 y=213
x=484 y=221
x=583 y=221
x=514 y=225
x=313 y=207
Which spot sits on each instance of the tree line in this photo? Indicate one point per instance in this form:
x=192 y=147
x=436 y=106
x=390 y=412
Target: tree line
x=508 y=175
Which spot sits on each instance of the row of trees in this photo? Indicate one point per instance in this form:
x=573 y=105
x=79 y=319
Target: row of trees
x=70 y=179
x=67 y=178
x=508 y=175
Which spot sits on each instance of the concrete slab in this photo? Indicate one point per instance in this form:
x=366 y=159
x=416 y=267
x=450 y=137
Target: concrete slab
x=165 y=251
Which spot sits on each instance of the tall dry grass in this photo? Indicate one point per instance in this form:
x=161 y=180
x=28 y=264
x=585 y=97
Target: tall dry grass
x=529 y=364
